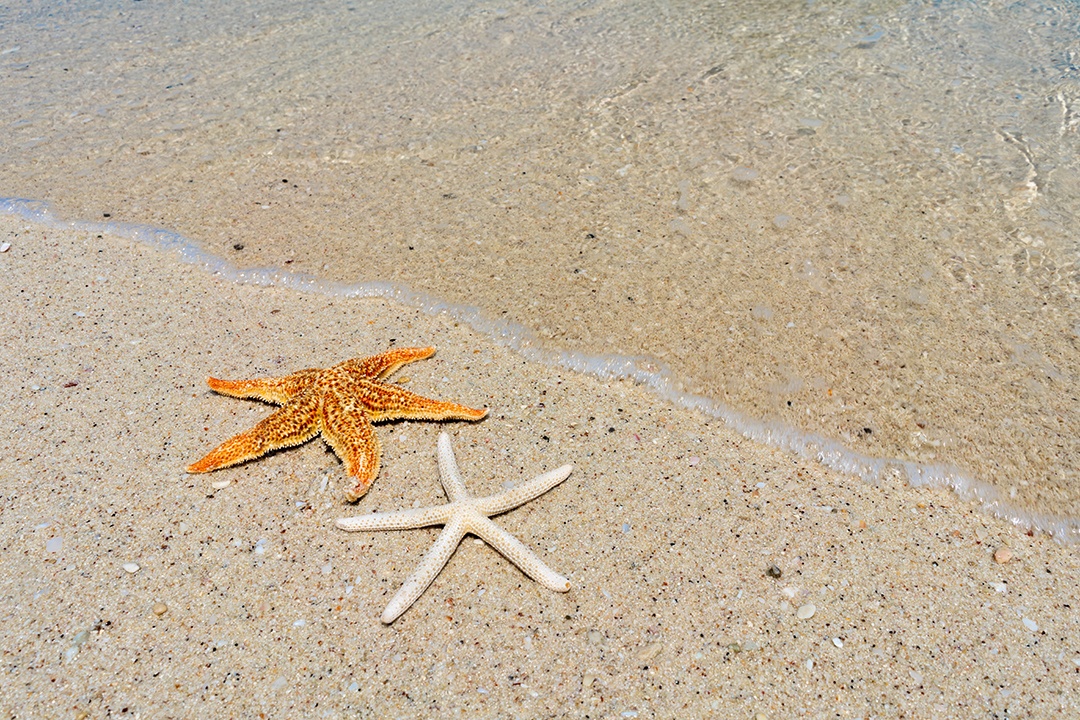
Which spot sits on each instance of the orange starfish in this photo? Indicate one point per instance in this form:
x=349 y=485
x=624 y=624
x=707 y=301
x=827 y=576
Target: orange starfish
x=340 y=402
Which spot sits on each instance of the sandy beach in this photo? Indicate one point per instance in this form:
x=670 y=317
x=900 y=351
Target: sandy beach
x=858 y=221
x=831 y=245
x=248 y=602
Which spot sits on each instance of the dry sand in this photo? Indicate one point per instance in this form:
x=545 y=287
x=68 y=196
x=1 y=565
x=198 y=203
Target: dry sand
x=666 y=529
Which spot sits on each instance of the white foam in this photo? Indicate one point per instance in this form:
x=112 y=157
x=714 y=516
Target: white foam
x=643 y=370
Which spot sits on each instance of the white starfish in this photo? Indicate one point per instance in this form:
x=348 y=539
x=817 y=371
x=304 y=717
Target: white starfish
x=463 y=514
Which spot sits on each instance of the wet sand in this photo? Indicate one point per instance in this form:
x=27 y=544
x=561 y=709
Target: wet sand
x=247 y=600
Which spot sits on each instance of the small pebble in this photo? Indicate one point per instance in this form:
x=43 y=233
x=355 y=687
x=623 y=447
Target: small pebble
x=806 y=611
x=221 y=484
x=1002 y=555
x=774 y=572
x=4 y=247
x=160 y=608
x=648 y=652
x=1030 y=624
x=838 y=642
x=131 y=567
x=54 y=544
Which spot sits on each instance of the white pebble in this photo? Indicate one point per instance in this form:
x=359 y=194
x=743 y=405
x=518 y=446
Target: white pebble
x=54 y=544
x=744 y=174
x=681 y=227
x=221 y=484
x=838 y=642
x=4 y=247
x=300 y=623
x=1030 y=624
x=131 y=567
x=916 y=676
x=806 y=611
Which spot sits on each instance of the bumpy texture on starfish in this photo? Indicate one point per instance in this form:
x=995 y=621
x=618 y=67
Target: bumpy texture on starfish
x=463 y=514
x=340 y=402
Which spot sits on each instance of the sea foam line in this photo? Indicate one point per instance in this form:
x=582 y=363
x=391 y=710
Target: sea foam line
x=654 y=375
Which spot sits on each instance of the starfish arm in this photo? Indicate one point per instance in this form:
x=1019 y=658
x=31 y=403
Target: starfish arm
x=434 y=561
x=348 y=431
x=448 y=471
x=390 y=402
x=523 y=493
x=516 y=552
x=273 y=390
x=291 y=425
x=384 y=364
x=398 y=520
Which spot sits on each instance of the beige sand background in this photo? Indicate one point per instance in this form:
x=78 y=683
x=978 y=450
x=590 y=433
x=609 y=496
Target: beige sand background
x=857 y=219
x=665 y=528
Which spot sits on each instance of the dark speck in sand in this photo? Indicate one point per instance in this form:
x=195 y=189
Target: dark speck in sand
x=238 y=246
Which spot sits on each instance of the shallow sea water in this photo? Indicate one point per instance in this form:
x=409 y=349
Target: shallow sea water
x=847 y=228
